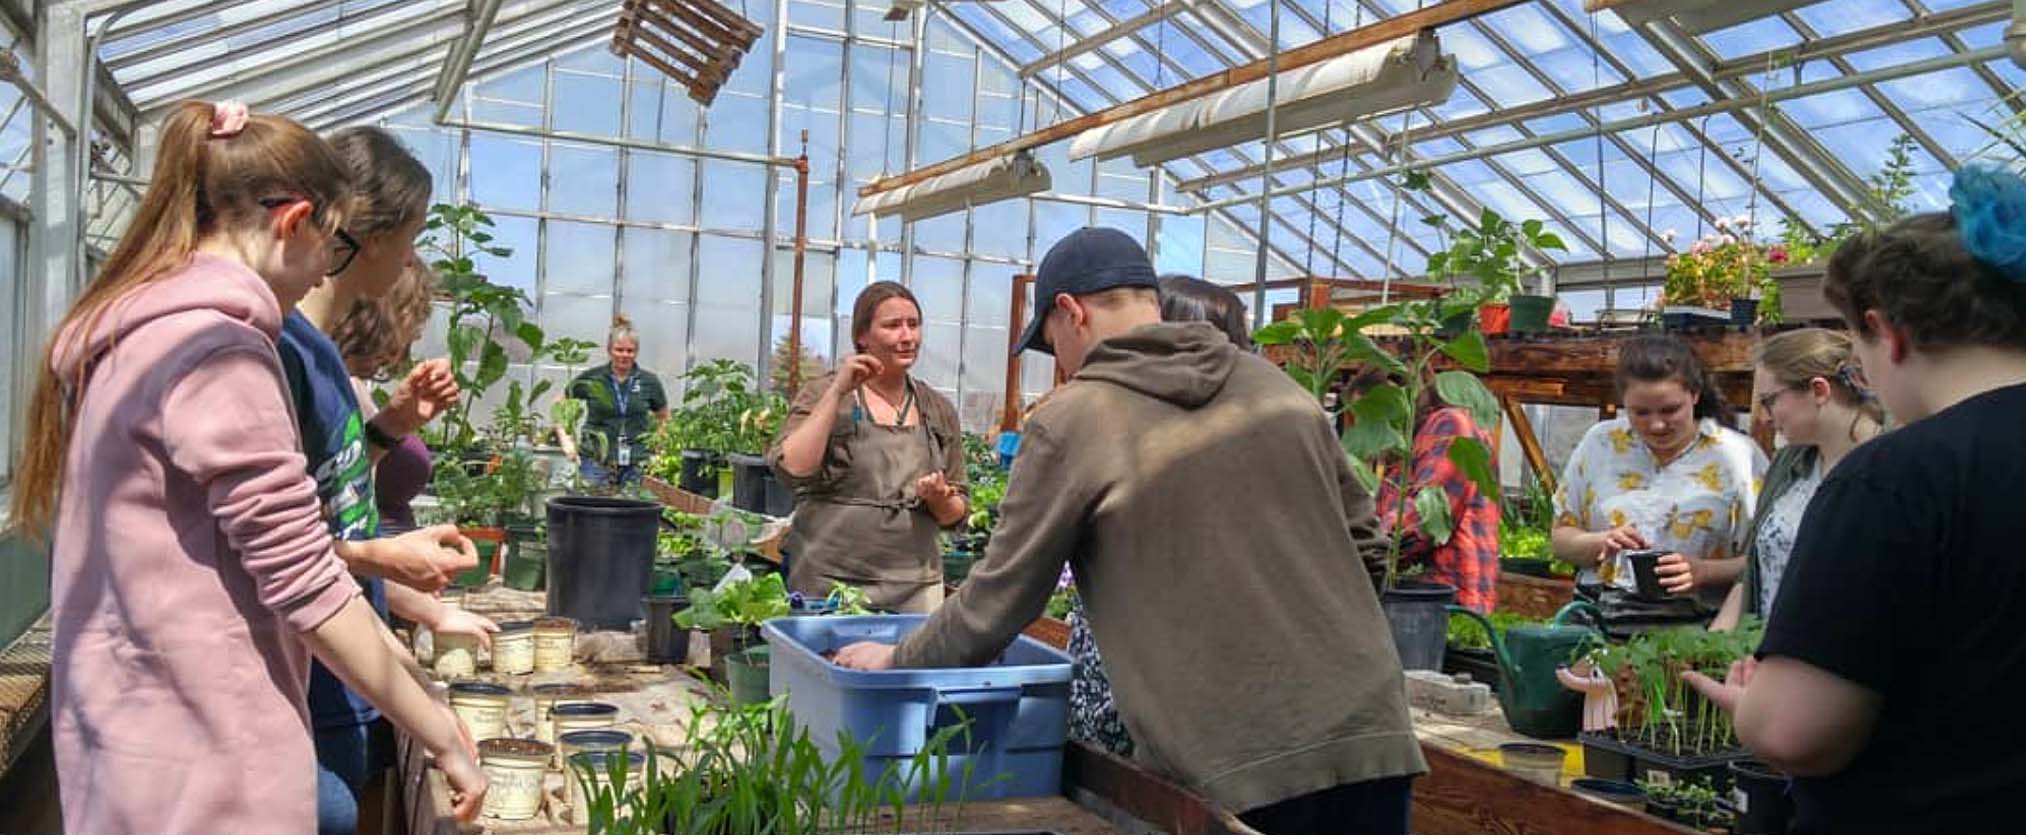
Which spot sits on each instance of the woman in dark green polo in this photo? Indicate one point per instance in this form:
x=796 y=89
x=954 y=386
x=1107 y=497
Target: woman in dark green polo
x=623 y=404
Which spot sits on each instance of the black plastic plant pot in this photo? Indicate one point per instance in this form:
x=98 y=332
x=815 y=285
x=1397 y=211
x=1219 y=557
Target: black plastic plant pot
x=699 y=473
x=1744 y=312
x=749 y=482
x=1418 y=613
x=1528 y=566
x=1605 y=757
x=1616 y=792
x=601 y=556
x=666 y=642
x=1646 y=574
x=1759 y=799
x=780 y=497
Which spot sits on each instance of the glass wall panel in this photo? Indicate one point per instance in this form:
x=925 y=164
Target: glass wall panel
x=656 y=264
x=578 y=257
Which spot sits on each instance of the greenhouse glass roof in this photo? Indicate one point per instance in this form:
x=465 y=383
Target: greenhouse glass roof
x=1556 y=117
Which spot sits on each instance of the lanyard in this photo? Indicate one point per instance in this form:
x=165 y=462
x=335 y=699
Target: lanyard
x=622 y=394
x=899 y=417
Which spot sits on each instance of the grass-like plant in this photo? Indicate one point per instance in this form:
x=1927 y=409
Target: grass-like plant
x=753 y=770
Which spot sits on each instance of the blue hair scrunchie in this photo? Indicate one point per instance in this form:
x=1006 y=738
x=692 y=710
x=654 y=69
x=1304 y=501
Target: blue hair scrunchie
x=1990 y=211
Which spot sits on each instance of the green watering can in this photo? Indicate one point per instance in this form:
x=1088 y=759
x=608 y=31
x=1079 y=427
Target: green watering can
x=1535 y=703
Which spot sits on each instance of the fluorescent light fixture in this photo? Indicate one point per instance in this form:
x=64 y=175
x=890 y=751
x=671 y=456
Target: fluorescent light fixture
x=1695 y=16
x=991 y=181
x=1396 y=75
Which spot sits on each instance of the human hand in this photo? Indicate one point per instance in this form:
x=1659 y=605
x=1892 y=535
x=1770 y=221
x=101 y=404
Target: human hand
x=464 y=622
x=934 y=488
x=467 y=781
x=429 y=390
x=1621 y=538
x=865 y=655
x=854 y=371
x=426 y=559
x=1725 y=694
x=1681 y=574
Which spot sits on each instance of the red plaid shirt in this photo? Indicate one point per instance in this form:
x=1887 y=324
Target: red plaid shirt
x=1469 y=560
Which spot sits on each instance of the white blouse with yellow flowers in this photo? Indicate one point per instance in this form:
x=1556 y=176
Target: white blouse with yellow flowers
x=1700 y=504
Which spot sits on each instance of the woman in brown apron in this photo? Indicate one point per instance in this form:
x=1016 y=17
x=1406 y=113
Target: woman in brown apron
x=876 y=459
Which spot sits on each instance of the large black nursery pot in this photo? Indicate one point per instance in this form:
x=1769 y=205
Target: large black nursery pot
x=755 y=488
x=749 y=482
x=1419 y=615
x=601 y=556
x=666 y=642
x=699 y=473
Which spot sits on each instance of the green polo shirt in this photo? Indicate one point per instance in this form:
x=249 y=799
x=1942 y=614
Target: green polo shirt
x=624 y=413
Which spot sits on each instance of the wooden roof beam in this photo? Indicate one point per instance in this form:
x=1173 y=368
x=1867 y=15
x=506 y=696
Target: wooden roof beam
x=1392 y=28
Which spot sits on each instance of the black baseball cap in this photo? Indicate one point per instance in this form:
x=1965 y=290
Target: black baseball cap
x=1089 y=260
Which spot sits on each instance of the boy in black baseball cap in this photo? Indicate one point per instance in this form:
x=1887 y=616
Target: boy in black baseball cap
x=1218 y=537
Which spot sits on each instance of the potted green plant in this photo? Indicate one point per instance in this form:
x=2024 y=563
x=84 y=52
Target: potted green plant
x=691 y=447
x=1491 y=251
x=740 y=607
x=483 y=500
x=1725 y=277
x=754 y=486
x=1381 y=436
x=987 y=480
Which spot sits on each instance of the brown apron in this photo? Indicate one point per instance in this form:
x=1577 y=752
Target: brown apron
x=869 y=529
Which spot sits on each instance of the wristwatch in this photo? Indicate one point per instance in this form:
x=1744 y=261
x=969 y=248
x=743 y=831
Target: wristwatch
x=378 y=437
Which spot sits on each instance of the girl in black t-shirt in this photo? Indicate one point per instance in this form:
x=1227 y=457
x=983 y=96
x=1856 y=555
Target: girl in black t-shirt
x=1894 y=639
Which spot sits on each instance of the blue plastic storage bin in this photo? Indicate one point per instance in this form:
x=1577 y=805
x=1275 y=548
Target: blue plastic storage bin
x=1018 y=706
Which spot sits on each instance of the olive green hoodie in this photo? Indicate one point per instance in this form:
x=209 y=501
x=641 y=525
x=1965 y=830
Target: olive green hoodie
x=1216 y=533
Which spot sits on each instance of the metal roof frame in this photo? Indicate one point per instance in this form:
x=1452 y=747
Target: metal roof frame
x=400 y=57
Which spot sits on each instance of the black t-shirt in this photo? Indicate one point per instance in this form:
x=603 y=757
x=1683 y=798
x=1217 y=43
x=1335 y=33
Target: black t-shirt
x=1909 y=577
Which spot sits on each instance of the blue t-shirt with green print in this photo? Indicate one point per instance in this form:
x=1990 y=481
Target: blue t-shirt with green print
x=333 y=435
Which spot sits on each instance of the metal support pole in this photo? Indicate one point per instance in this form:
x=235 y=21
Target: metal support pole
x=770 y=227
x=915 y=63
x=616 y=142
x=459 y=61
x=80 y=160
x=1266 y=180
x=801 y=252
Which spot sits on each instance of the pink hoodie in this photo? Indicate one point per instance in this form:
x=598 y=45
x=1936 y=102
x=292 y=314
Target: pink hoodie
x=190 y=552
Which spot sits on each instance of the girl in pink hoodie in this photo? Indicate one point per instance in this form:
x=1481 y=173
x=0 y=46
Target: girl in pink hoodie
x=193 y=574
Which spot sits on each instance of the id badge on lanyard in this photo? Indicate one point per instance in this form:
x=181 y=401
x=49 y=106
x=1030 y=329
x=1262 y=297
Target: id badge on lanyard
x=621 y=396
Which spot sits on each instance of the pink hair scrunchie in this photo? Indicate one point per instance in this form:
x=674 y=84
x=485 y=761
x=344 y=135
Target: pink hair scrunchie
x=228 y=118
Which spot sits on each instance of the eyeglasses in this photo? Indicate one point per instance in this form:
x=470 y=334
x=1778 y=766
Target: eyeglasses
x=1767 y=400
x=342 y=251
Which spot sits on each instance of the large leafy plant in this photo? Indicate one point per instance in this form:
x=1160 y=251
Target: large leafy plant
x=1324 y=341
x=483 y=316
x=719 y=399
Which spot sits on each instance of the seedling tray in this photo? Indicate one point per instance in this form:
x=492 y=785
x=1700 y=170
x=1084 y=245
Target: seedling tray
x=1607 y=756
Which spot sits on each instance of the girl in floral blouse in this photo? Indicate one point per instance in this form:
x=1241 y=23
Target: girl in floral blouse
x=1668 y=474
